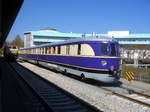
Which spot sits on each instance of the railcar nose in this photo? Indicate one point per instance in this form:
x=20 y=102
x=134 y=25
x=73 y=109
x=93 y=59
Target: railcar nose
x=115 y=73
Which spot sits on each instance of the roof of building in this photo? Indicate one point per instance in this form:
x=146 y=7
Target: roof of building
x=55 y=34
x=135 y=42
x=136 y=36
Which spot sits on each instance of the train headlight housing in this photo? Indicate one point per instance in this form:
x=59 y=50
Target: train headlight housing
x=103 y=62
x=112 y=68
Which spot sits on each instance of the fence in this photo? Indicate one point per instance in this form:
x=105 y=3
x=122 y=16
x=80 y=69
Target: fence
x=140 y=73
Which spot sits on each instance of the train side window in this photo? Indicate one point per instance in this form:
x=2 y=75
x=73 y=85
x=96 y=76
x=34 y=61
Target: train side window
x=54 y=49
x=45 y=50
x=87 y=50
x=73 y=50
x=35 y=50
x=58 y=50
x=49 y=50
x=40 y=50
x=67 y=50
x=79 y=49
x=63 y=50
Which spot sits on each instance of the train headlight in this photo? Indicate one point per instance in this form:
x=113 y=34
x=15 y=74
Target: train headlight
x=112 y=68
x=103 y=62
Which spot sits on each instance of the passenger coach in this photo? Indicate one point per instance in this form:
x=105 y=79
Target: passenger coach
x=95 y=58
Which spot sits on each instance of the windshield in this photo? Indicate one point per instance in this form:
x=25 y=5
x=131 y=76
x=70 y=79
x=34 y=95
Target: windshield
x=109 y=49
x=14 y=47
x=113 y=50
x=104 y=49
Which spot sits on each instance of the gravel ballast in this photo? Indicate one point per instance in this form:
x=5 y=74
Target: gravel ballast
x=89 y=93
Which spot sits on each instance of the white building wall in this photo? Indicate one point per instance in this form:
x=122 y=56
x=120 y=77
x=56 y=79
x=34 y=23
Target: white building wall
x=28 y=40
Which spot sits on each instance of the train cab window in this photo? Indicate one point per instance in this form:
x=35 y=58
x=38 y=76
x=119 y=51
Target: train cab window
x=113 y=50
x=14 y=47
x=79 y=49
x=104 y=49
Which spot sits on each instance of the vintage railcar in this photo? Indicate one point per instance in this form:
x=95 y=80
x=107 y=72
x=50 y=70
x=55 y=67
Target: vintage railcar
x=11 y=52
x=96 y=58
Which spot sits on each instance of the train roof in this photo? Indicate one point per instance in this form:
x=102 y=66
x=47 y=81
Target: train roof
x=73 y=41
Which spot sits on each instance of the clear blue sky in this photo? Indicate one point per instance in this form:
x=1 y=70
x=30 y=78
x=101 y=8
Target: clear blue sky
x=83 y=16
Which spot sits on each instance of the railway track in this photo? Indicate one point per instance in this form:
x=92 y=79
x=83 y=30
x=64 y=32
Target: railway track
x=136 y=92
x=52 y=97
x=136 y=97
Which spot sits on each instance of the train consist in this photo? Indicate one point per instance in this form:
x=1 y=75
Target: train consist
x=96 y=58
x=11 y=52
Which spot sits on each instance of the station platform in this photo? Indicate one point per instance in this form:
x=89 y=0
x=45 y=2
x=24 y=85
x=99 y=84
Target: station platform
x=10 y=92
x=138 y=84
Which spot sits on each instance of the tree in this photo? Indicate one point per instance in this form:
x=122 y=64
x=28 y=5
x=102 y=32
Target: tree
x=17 y=41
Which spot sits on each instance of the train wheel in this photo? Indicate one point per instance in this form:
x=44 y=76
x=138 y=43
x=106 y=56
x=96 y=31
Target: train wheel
x=65 y=71
x=82 y=76
x=37 y=62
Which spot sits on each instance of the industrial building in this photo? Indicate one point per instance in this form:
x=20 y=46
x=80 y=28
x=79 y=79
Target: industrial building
x=134 y=47
x=33 y=38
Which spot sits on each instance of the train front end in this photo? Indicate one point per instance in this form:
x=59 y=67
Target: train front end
x=109 y=60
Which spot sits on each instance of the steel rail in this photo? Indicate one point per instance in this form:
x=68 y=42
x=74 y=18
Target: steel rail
x=136 y=92
x=54 y=97
x=126 y=97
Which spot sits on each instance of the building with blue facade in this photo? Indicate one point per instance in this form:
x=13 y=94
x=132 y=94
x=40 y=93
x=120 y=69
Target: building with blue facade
x=33 y=38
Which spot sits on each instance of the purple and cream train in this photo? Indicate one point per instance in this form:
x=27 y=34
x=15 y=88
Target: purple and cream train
x=94 y=58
